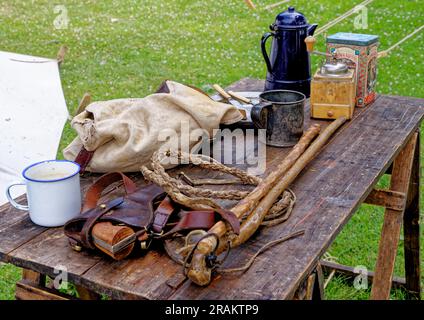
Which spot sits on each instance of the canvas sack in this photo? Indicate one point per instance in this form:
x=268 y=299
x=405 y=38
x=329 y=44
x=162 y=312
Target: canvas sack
x=123 y=134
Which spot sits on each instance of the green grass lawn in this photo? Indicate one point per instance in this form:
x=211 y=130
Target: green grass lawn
x=127 y=48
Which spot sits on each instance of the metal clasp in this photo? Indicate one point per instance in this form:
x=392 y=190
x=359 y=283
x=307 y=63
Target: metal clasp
x=144 y=245
x=156 y=234
x=116 y=247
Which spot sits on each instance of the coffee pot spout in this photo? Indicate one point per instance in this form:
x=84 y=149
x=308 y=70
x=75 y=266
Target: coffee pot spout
x=311 y=29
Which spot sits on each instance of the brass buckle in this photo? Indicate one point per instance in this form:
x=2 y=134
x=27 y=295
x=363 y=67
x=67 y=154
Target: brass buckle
x=156 y=235
x=144 y=245
x=76 y=247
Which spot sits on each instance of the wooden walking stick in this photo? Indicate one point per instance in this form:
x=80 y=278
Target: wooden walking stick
x=198 y=272
x=267 y=192
x=256 y=217
x=261 y=190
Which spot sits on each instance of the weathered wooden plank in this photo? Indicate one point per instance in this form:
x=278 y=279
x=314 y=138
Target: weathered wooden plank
x=387 y=198
x=50 y=251
x=17 y=234
x=140 y=277
x=411 y=229
x=9 y=215
x=392 y=224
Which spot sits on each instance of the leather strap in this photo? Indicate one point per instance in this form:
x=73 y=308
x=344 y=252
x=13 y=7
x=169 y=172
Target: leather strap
x=231 y=218
x=192 y=220
x=95 y=191
x=90 y=222
x=83 y=158
x=162 y=215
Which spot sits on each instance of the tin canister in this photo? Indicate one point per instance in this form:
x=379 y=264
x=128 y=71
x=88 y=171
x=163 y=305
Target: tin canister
x=359 y=52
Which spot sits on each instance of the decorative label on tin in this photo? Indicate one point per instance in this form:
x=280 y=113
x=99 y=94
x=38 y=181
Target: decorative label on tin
x=359 y=52
x=347 y=56
x=371 y=75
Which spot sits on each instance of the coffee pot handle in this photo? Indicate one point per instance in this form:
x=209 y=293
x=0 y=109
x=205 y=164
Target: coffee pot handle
x=259 y=118
x=264 y=53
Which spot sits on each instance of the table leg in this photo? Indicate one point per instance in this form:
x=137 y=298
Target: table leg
x=32 y=287
x=401 y=177
x=86 y=294
x=411 y=229
x=312 y=288
x=33 y=277
x=319 y=284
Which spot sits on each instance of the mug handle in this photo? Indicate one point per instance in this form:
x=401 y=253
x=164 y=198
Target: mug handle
x=258 y=116
x=13 y=202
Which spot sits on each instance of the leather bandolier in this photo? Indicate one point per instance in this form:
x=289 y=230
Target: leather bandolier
x=119 y=226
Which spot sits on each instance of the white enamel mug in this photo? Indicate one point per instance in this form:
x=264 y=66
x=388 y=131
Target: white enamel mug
x=53 y=192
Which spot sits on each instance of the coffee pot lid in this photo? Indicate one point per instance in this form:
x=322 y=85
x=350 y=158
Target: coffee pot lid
x=290 y=19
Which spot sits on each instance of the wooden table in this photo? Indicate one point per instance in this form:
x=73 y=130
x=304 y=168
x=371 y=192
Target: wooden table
x=383 y=137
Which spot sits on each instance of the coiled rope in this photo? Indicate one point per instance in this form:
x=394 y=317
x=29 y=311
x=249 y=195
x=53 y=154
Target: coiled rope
x=201 y=198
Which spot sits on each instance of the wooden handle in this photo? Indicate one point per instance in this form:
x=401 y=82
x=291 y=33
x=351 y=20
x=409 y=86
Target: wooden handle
x=250 y=4
x=310 y=43
x=61 y=54
x=243 y=113
x=256 y=216
x=239 y=97
x=84 y=102
x=221 y=91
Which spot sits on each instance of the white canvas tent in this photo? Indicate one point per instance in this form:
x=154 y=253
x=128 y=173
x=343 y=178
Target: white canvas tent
x=32 y=114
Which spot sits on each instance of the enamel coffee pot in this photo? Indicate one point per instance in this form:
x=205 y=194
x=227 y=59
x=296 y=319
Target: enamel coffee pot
x=288 y=64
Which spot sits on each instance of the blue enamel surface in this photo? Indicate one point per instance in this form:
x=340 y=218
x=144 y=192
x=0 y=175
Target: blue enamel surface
x=289 y=64
x=290 y=18
x=46 y=161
